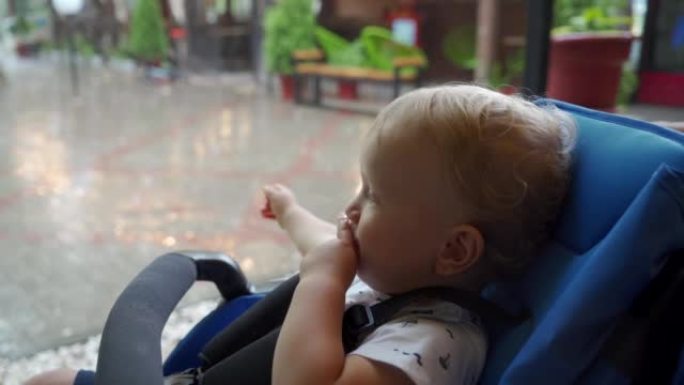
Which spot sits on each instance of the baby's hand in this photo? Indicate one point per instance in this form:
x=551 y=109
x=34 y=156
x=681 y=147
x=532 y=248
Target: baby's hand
x=334 y=259
x=279 y=199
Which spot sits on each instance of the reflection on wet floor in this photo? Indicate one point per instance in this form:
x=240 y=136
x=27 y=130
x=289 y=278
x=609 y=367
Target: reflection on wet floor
x=93 y=188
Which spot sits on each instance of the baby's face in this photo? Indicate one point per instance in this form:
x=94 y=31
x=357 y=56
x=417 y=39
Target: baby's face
x=399 y=217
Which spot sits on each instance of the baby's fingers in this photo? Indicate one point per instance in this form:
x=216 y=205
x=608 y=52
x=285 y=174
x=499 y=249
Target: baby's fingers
x=267 y=210
x=344 y=230
x=268 y=189
x=275 y=191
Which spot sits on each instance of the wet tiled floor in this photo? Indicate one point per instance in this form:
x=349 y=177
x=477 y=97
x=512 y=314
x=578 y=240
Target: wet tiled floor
x=93 y=188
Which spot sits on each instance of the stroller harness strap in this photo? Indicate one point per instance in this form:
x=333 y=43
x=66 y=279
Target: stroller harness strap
x=361 y=320
x=248 y=344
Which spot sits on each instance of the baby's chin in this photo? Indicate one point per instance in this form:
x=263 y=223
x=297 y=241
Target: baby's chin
x=372 y=279
x=373 y=284
x=382 y=284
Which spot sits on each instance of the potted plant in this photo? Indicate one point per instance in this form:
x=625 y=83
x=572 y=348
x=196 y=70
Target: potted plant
x=375 y=48
x=504 y=75
x=149 y=42
x=23 y=29
x=340 y=52
x=459 y=47
x=589 y=45
x=289 y=26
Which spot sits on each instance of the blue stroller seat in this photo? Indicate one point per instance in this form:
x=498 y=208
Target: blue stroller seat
x=624 y=217
x=602 y=294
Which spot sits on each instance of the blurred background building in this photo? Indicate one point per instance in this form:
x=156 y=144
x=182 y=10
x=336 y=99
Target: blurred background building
x=462 y=39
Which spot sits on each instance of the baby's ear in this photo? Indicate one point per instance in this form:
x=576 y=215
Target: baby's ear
x=462 y=248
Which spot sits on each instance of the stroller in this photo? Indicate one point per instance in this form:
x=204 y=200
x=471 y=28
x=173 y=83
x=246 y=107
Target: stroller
x=604 y=297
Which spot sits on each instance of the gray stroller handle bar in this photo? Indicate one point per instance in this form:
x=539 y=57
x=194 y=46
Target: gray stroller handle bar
x=130 y=349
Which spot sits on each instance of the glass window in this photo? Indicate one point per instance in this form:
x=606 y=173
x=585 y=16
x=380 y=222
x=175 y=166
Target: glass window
x=669 y=40
x=241 y=9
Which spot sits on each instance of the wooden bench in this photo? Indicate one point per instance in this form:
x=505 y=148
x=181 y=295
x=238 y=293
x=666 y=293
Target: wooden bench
x=310 y=64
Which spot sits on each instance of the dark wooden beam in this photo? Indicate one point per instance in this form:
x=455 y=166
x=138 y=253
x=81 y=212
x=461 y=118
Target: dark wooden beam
x=539 y=21
x=648 y=37
x=487 y=38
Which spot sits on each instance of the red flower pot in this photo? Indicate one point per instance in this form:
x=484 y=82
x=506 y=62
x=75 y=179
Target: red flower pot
x=585 y=68
x=287 y=86
x=151 y=63
x=25 y=50
x=346 y=89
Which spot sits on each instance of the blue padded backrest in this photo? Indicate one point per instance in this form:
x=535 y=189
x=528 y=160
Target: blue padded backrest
x=614 y=158
x=623 y=215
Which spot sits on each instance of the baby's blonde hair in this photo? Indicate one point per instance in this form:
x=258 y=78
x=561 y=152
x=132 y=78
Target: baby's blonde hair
x=506 y=158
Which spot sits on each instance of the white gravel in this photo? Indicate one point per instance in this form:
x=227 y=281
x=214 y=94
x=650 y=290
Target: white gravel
x=84 y=355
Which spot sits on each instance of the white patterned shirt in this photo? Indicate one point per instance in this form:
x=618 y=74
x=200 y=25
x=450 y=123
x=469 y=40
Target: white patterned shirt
x=432 y=341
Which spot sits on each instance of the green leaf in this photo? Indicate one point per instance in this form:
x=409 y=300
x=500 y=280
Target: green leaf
x=381 y=49
x=591 y=15
x=148 y=38
x=289 y=25
x=459 y=46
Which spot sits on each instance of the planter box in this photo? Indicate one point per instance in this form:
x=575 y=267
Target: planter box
x=347 y=90
x=27 y=50
x=665 y=88
x=585 y=68
x=287 y=86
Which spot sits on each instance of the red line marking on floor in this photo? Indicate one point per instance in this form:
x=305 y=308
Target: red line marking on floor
x=251 y=227
x=153 y=138
x=102 y=161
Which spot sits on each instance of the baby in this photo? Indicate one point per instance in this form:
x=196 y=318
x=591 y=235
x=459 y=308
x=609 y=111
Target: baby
x=460 y=186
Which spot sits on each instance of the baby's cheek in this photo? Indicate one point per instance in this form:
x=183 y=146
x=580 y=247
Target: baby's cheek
x=360 y=234
x=364 y=238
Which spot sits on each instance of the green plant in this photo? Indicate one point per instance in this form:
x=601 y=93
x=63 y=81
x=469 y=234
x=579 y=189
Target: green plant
x=381 y=49
x=148 y=39
x=503 y=75
x=119 y=53
x=591 y=15
x=339 y=51
x=289 y=26
x=81 y=45
x=375 y=48
x=21 y=27
x=629 y=81
x=84 y=47
x=459 y=47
